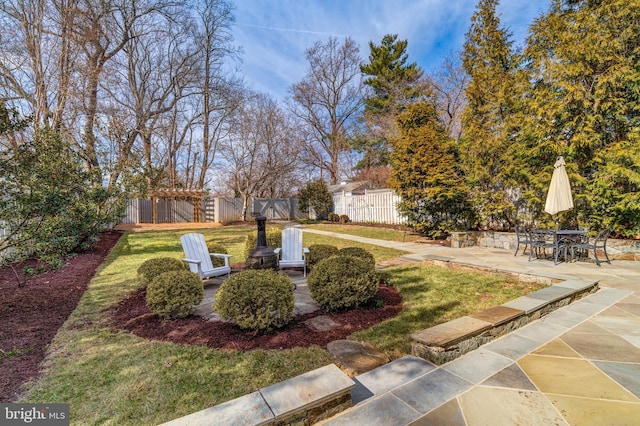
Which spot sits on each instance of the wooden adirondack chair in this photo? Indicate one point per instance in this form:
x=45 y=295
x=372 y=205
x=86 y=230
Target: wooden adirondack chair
x=292 y=254
x=199 y=259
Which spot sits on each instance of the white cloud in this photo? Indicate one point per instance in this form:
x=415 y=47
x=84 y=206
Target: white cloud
x=276 y=33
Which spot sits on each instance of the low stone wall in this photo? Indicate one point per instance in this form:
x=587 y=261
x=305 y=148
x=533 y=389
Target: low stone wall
x=616 y=249
x=302 y=400
x=448 y=341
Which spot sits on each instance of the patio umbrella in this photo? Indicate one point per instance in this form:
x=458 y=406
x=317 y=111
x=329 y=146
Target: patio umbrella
x=559 y=197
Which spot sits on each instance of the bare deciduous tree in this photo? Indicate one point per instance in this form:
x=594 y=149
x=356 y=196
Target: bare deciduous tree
x=35 y=57
x=449 y=83
x=262 y=151
x=219 y=99
x=327 y=101
x=142 y=87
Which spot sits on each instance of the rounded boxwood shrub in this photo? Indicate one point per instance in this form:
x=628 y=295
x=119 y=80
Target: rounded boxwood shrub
x=151 y=268
x=358 y=252
x=214 y=247
x=343 y=218
x=256 y=299
x=317 y=252
x=172 y=294
x=333 y=217
x=340 y=282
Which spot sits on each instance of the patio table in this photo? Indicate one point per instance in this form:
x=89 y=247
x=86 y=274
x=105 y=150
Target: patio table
x=556 y=239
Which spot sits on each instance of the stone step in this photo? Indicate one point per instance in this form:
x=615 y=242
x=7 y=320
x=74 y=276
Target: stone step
x=399 y=393
x=304 y=399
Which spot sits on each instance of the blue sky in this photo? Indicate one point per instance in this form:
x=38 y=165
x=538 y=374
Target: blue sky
x=274 y=34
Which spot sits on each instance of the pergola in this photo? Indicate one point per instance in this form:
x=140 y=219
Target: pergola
x=194 y=194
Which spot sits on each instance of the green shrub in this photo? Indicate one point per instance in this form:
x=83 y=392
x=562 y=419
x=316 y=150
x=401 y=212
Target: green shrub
x=317 y=252
x=172 y=294
x=315 y=196
x=340 y=282
x=256 y=299
x=358 y=252
x=274 y=240
x=151 y=268
x=214 y=247
x=343 y=218
x=53 y=205
x=332 y=217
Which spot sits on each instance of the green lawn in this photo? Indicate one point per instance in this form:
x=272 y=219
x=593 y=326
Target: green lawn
x=113 y=377
x=379 y=233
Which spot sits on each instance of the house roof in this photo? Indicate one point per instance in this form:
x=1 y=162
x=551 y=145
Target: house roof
x=352 y=187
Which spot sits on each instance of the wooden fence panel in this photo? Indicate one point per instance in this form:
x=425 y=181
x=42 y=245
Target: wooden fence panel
x=4 y=231
x=174 y=211
x=131 y=212
x=377 y=206
x=223 y=210
x=228 y=210
x=209 y=209
x=278 y=208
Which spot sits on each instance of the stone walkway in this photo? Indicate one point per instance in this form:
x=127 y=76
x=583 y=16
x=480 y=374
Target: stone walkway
x=303 y=301
x=579 y=365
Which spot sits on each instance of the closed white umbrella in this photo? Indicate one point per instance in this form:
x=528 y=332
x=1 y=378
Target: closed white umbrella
x=559 y=197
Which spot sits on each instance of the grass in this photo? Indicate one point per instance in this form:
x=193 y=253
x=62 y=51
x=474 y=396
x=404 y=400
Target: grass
x=113 y=377
x=14 y=353
x=434 y=295
x=379 y=233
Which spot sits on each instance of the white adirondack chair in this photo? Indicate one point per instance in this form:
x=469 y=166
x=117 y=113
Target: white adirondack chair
x=199 y=259
x=292 y=254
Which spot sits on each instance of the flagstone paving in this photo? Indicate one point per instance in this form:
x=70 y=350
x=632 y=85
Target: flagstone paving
x=579 y=365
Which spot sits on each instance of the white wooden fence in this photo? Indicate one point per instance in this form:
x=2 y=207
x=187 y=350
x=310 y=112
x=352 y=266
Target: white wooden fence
x=375 y=206
x=4 y=231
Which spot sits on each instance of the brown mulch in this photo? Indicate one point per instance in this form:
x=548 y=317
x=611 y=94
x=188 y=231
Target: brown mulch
x=32 y=312
x=132 y=314
x=31 y=315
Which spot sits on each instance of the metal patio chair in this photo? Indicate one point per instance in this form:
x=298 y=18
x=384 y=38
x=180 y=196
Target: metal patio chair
x=598 y=243
x=522 y=237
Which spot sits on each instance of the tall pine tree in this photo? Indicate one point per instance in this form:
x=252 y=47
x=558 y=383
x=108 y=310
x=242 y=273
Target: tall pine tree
x=425 y=173
x=491 y=65
x=393 y=82
x=584 y=103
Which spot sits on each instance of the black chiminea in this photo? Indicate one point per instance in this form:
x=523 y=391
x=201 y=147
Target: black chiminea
x=262 y=257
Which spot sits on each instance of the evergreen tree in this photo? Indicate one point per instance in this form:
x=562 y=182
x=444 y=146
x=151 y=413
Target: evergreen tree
x=491 y=65
x=391 y=78
x=50 y=204
x=316 y=196
x=584 y=103
x=425 y=173
x=393 y=83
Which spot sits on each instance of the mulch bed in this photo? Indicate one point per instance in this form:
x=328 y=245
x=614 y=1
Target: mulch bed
x=31 y=315
x=132 y=314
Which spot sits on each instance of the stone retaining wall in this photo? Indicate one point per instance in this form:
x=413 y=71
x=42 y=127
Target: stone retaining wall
x=448 y=341
x=301 y=400
x=616 y=249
